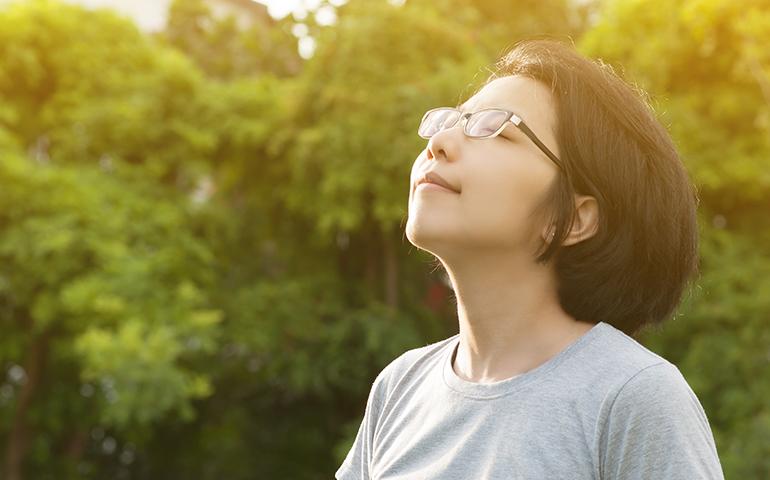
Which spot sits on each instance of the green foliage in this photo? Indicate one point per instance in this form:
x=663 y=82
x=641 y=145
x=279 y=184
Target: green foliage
x=703 y=62
x=111 y=275
x=223 y=49
x=108 y=95
x=40 y=85
x=496 y=25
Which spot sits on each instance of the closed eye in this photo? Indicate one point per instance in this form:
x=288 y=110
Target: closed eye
x=509 y=133
x=512 y=134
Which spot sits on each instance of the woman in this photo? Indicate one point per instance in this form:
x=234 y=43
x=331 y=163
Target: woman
x=566 y=222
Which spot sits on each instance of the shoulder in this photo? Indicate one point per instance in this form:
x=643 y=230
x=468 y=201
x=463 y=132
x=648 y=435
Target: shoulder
x=621 y=355
x=656 y=395
x=603 y=364
x=639 y=374
x=655 y=427
x=660 y=385
x=636 y=378
x=411 y=364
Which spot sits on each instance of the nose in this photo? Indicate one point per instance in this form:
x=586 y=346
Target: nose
x=443 y=144
x=432 y=150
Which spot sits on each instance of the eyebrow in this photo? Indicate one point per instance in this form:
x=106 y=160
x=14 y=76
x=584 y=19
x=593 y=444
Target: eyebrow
x=462 y=106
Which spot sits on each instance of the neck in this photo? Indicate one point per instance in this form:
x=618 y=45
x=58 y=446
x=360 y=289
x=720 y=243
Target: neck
x=509 y=316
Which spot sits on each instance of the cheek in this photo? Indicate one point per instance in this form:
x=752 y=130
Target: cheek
x=502 y=203
x=495 y=204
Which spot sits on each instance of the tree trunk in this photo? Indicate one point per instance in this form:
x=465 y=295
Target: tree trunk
x=390 y=259
x=372 y=255
x=21 y=433
x=76 y=445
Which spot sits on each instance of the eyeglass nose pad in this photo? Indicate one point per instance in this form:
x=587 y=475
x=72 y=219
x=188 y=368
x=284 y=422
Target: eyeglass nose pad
x=441 y=139
x=460 y=121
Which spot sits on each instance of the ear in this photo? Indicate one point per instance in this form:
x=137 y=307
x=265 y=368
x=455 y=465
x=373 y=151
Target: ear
x=586 y=221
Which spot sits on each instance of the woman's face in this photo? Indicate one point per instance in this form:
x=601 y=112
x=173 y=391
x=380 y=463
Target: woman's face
x=501 y=181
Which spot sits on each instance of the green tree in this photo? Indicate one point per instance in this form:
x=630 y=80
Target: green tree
x=225 y=50
x=85 y=87
x=103 y=312
x=105 y=285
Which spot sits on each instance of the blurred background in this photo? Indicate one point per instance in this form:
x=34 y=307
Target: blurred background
x=202 y=202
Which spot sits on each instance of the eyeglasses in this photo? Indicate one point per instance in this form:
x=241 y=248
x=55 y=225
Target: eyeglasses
x=486 y=123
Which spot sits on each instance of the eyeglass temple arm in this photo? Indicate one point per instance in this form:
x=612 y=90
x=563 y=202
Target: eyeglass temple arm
x=524 y=128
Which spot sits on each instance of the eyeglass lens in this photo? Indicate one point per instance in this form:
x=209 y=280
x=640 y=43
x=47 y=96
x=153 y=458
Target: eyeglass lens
x=436 y=121
x=479 y=124
x=484 y=123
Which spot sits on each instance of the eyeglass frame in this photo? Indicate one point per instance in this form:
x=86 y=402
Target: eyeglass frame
x=510 y=117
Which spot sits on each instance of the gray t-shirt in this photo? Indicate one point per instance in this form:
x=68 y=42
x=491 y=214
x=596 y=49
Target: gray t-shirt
x=605 y=407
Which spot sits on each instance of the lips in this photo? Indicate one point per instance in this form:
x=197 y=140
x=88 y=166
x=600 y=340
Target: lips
x=433 y=177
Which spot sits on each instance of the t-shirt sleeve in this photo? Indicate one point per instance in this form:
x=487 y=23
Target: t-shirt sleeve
x=358 y=461
x=656 y=428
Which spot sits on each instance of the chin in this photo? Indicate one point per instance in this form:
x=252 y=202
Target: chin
x=416 y=232
x=412 y=232
x=424 y=235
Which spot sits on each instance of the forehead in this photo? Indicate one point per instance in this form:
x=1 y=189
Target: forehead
x=528 y=98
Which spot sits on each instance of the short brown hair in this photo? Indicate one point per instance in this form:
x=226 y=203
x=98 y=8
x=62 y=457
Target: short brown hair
x=633 y=272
